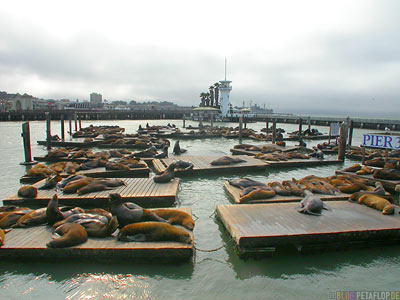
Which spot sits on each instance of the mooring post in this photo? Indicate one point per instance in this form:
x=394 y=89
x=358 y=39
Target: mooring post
x=342 y=141
x=300 y=125
x=351 y=132
x=80 y=122
x=48 y=130
x=70 y=124
x=274 y=131
x=76 y=121
x=62 y=128
x=212 y=120
x=266 y=126
x=184 y=126
x=309 y=123
x=240 y=128
x=26 y=136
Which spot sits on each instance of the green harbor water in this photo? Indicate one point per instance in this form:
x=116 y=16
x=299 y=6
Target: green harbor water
x=210 y=275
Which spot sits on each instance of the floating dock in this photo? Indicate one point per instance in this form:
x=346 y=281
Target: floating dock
x=388 y=184
x=311 y=162
x=142 y=191
x=235 y=151
x=57 y=159
x=234 y=193
x=76 y=144
x=202 y=165
x=263 y=228
x=28 y=243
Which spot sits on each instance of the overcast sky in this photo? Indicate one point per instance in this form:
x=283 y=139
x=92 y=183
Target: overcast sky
x=337 y=57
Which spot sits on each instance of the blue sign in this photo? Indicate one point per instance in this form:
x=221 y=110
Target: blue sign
x=381 y=141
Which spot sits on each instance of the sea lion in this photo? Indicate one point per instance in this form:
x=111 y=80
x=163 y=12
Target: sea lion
x=293 y=188
x=117 y=166
x=377 y=202
x=35 y=217
x=183 y=165
x=126 y=215
x=97 y=228
x=10 y=218
x=82 y=216
x=95 y=186
x=279 y=188
x=164 y=152
x=177 y=149
x=245 y=182
x=154 y=231
x=353 y=168
x=175 y=217
x=167 y=175
x=99 y=211
x=27 y=191
x=53 y=213
x=388 y=174
x=71 y=234
x=256 y=193
x=2 y=236
x=69 y=179
x=75 y=185
x=311 y=204
x=226 y=160
x=51 y=182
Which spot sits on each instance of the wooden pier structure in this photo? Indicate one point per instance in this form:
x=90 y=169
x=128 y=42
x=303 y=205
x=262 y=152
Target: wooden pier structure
x=201 y=165
x=30 y=243
x=76 y=144
x=234 y=193
x=387 y=184
x=142 y=191
x=264 y=228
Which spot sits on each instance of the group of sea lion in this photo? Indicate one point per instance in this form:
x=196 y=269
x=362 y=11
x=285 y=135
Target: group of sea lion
x=72 y=226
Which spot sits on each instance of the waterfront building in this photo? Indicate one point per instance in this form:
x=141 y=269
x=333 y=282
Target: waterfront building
x=96 y=99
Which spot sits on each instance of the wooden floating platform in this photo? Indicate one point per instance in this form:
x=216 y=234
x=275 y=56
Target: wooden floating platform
x=124 y=146
x=57 y=159
x=388 y=184
x=142 y=191
x=234 y=194
x=262 y=228
x=252 y=153
x=28 y=243
x=311 y=162
x=103 y=172
x=202 y=165
x=70 y=144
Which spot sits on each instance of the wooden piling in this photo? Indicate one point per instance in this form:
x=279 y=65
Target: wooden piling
x=273 y=131
x=48 y=131
x=184 y=126
x=62 y=128
x=70 y=124
x=240 y=128
x=266 y=125
x=27 y=144
x=76 y=121
x=300 y=125
x=351 y=125
x=309 y=123
x=342 y=141
x=80 y=121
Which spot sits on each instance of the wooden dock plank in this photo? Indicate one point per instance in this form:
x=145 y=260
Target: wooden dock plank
x=255 y=226
x=234 y=193
x=139 y=190
x=202 y=165
x=31 y=242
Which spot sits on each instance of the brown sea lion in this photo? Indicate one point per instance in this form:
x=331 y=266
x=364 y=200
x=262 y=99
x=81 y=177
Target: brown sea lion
x=81 y=216
x=92 y=187
x=75 y=185
x=53 y=213
x=71 y=234
x=167 y=175
x=99 y=211
x=97 y=228
x=279 y=188
x=293 y=188
x=2 y=237
x=10 y=218
x=27 y=191
x=50 y=182
x=116 y=166
x=256 y=193
x=311 y=204
x=353 y=168
x=388 y=174
x=35 y=217
x=183 y=165
x=245 y=182
x=377 y=202
x=175 y=217
x=154 y=231
x=128 y=213
x=226 y=160
x=357 y=195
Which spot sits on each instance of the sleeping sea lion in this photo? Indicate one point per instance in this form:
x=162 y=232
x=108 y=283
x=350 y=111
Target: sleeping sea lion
x=2 y=236
x=353 y=168
x=127 y=215
x=279 y=188
x=53 y=213
x=71 y=234
x=81 y=216
x=175 y=217
x=164 y=152
x=167 y=175
x=35 y=217
x=75 y=185
x=226 y=160
x=95 y=186
x=377 y=202
x=99 y=211
x=97 y=228
x=10 y=218
x=27 y=191
x=70 y=178
x=51 y=182
x=183 y=165
x=245 y=182
x=154 y=231
x=311 y=204
x=256 y=193
x=293 y=188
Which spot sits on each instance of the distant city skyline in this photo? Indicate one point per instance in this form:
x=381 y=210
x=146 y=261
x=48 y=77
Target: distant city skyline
x=303 y=57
